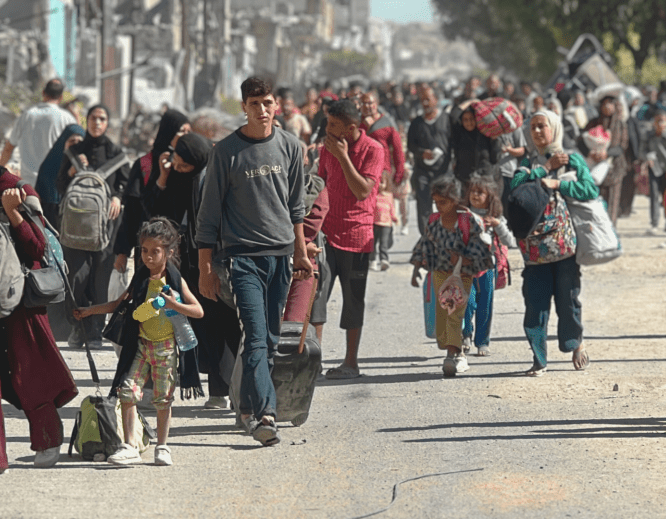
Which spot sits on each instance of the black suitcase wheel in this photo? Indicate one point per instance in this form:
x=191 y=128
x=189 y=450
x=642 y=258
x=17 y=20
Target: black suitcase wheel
x=300 y=419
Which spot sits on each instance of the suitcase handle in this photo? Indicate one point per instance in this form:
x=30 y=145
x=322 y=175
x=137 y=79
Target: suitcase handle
x=306 y=323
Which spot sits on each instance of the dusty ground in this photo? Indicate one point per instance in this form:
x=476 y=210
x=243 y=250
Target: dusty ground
x=497 y=443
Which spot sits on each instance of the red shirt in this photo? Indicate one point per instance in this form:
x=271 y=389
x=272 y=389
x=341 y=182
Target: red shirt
x=389 y=138
x=349 y=222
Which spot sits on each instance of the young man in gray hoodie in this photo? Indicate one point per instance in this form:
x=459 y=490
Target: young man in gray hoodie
x=251 y=220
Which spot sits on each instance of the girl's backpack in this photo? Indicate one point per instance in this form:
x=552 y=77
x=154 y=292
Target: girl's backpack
x=501 y=251
x=495 y=116
x=98 y=429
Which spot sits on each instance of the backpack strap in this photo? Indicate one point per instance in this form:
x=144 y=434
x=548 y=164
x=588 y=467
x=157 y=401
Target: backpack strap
x=74 y=159
x=464 y=225
x=146 y=163
x=112 y=166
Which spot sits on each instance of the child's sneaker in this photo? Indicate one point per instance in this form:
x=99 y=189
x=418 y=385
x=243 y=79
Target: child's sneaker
x=455 y=364
x=163 y=456
x=405 y=230
x=125 y=455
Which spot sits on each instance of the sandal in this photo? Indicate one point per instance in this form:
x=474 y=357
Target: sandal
x=580 y=359
x=342 y=373
x=536 y=371
x=483 y=351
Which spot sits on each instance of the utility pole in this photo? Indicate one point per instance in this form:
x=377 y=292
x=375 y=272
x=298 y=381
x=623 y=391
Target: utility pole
x=108 y=86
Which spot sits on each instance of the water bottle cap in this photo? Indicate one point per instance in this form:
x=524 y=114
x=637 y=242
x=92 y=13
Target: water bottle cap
x=158 y=302
x=166 y=289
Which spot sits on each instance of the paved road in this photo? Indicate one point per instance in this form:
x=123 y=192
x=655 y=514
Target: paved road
x=490 y=443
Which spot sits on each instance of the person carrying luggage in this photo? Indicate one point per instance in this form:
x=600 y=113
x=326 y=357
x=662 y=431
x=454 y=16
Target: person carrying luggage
x=90 y=271
x=155 y=356
x=251 y=216
x=549 y=251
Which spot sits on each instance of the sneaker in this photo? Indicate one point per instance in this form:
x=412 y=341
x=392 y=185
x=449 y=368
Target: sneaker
x=75 y=339
x=374 y=265
x=95 y=344
x=125 y=455
x=47 y=458
x=266 y=432
x=652 y=231
x=217 y=402
x=163 y=456
x=466 y=345
x=405 y=230
x=385 y=265
x=455 y=364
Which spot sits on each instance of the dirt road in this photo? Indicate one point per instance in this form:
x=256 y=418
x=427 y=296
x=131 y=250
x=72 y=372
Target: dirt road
x=500 y=444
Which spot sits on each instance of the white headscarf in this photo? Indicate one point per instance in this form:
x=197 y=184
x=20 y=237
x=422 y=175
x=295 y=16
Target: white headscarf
x=555 y=123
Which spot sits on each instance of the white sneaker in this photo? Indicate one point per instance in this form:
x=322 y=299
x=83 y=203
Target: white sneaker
x=467 y=345
x=405 y=230
x=125 y=455
x=163 y=456
x=217 y=402
x=652 y=231
x=47 y=458
x=374 y=265
x=385 y=265
x=455 y=364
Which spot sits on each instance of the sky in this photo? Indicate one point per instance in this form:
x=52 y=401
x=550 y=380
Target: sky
x=403 y=11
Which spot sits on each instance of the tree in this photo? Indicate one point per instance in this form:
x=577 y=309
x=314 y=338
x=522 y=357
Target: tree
x=523 y=35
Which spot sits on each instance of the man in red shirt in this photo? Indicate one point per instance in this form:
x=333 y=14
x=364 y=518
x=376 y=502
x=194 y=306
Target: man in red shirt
x=381 y=128
x=351 y=163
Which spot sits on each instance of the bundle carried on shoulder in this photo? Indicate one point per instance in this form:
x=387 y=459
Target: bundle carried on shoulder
x=84 y=209
x=597 y=239
x=496 y=116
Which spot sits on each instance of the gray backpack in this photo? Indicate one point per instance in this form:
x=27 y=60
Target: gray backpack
x=84 y=209
x=11 y=271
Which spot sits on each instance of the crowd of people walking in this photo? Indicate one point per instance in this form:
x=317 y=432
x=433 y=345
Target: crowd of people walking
x=238 y=228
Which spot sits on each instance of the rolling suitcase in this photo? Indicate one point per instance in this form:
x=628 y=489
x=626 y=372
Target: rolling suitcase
x=297 y=363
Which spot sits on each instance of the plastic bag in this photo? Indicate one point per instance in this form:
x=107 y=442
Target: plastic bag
x=452 y=294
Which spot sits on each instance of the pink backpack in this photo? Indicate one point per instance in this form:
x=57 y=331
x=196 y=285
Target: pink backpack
x=496 y=116
x=501 y=252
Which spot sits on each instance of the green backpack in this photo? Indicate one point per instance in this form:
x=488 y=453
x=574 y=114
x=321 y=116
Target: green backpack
x=98 y=429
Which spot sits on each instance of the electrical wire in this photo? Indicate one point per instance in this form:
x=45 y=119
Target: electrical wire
x=395 y=489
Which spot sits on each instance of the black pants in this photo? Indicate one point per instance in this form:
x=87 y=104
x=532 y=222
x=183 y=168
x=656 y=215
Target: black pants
x=421 y=181
x=656 y=191
x=89 y=276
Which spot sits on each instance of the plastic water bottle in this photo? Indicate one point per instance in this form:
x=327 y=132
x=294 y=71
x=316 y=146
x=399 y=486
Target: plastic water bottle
x=182 y=329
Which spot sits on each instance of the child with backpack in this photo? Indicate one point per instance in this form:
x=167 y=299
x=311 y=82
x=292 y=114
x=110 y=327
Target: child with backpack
x=457 y=233
x=484 y=201
x=155 y=354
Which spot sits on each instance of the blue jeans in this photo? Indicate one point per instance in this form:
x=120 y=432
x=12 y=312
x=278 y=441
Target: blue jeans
x=480 y=301
x=260 y=285
x=541 y=283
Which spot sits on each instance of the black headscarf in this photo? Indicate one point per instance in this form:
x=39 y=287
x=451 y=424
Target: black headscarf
x=98 y=149
x=170 y=124
x=195 y=150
